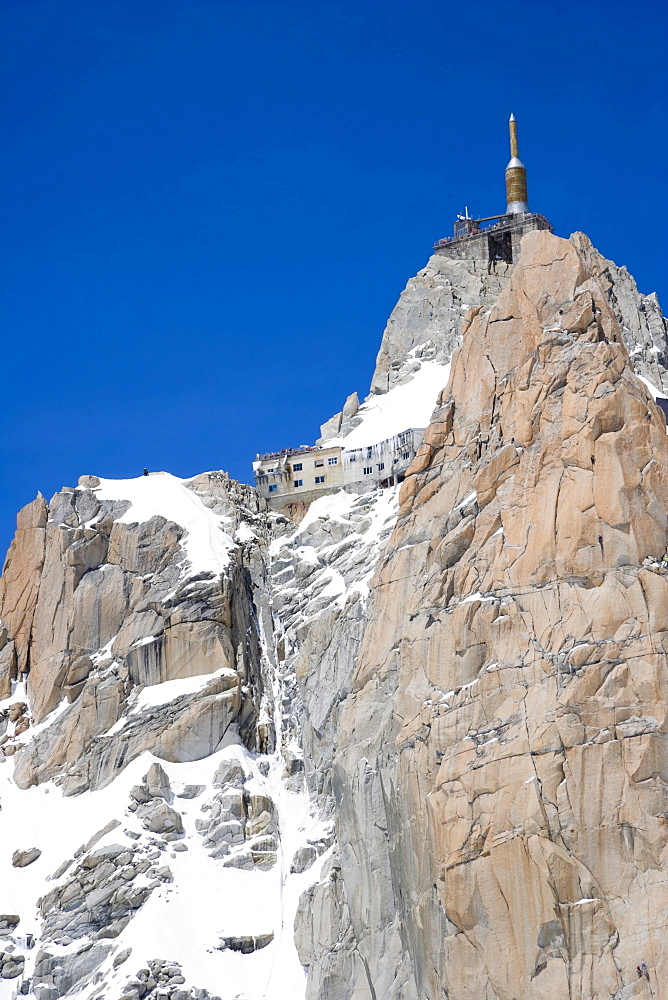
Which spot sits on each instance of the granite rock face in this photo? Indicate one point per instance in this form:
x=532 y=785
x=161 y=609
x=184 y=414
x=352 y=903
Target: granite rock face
x=644 y=327
x=427 y=321
x=501 y=762
x=411 y=748
x=430 y=313
x=97 y=608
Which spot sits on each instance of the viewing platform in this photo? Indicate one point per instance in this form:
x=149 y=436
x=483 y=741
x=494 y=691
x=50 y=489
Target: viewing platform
x=492 y=240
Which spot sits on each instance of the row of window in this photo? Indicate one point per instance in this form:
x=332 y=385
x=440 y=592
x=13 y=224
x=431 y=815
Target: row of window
x=367 y=471
x=334 y=460
x=318 y=464
x=405 y=455
x=297 y=482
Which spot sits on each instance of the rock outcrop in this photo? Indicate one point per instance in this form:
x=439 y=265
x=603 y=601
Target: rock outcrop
x=98 y=608
x=21 y=859
x=427 y=322
x=429 y=315
x=644 y=327
x=411 y=748
x=500 y=772
x=162 y=978
x=12 y=963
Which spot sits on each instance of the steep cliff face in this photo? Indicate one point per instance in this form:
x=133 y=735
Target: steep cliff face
x=644 y=328
x=426 y=324
x=413 y=747
x=430 y=312
x=506 y=728
x=103 y=595
x=151 y=749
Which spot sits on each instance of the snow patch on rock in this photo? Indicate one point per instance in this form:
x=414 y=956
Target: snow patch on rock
x=207 y=542
x=408 y=405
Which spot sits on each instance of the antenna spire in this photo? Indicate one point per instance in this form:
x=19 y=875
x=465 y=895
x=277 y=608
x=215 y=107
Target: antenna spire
x=512 y=127
x=516 y=176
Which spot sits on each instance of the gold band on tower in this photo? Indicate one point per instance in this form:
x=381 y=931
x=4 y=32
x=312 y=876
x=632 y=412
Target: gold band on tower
x=517 y=199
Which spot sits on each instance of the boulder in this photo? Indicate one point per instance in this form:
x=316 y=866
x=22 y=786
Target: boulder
x=157 y=782
x=12 y=969
x=190 y=791
x=16 y=710
x=102 y=855
x=246 y=943
x=20 y=859
x=229 y=772
x=159 y=817
x=303 y=859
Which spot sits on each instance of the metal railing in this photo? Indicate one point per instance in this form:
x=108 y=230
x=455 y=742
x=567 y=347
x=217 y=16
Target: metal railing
x=268 y=456
x=508 y=223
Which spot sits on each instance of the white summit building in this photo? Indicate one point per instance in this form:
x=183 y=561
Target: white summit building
x=297 y=476
x=363 y=448
x=372 y=445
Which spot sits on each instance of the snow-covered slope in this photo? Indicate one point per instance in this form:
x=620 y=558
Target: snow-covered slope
x=206 y=543
x=410 y=404
x=192 y=901
x=178 y=846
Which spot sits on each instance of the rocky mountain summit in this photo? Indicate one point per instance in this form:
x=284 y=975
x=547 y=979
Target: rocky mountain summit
x=411 y=747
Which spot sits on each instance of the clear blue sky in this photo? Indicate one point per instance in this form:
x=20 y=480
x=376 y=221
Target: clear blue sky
x=211 y=208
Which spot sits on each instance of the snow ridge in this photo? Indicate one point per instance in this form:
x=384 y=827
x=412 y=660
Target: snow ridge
x=207 y=542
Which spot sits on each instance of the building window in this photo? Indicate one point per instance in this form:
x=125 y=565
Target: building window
x=333 y=461
x=367 y=470
x=320 y=462
x=298 y=482
x=319 y=479
x=273 y=488
x=297 y=467
x=381 y=466
x=352 y=458
x=406 y=454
